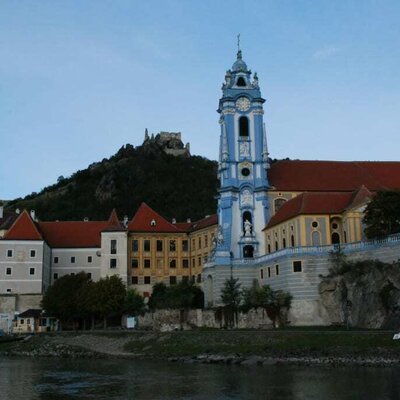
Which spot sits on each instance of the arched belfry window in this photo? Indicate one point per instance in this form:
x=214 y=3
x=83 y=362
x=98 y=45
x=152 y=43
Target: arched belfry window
x=241 y=82
x=243 y=126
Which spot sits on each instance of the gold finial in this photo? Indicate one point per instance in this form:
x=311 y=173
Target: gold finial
x=238 y=41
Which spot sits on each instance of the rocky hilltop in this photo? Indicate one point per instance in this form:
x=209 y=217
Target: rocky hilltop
x=160 y=172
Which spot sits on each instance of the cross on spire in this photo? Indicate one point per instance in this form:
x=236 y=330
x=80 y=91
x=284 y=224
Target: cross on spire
x=238 y=41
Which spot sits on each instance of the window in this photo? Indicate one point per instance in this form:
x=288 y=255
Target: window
x=334 y=225
x=146 y=245
x=147 y=263
x=89 y=275
x=276 y=246
x=159 y=245
x=172 y=263
x=89 y=259
x=134 y=280
x=199 y=278
x=292 y=240
x=243 y=126
x=113 y=263
x=248 y=251
x=32 y=253
x=185 y=263
x=269 y=272
x=32 y=271
x=261 y=273
x=297 y=267
x=113 y=245
x=135 y=245
x=8 y=271
x=22 y=321
x=314 y=224
x=245 y=171
x=278 y=203
x=172 y=245
x=200 y=242
x=134 y=263
x=199 y=261
x=72 y=260
x=335 y=238
x=241 y=82
x=153 y=222
x=193 y=244
x=277 y=269
x=269 y=248
x=205 y=240
x=55 y=276
x=193 y=262
x=55 y=260
x=9 y=253
x=185 y=245
x=172 y=280
x=8 y=290
x=147 y=280
x=284 y=243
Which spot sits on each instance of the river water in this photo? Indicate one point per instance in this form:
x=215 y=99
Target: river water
x=62 y=379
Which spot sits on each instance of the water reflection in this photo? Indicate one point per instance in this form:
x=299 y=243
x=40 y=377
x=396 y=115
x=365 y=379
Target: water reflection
x=126 y=379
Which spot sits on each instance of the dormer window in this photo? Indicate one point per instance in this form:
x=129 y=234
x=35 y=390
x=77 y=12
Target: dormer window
x=153 y=222
x=241 y=82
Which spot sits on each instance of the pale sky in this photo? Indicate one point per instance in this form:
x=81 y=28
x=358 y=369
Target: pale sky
x=79 y=79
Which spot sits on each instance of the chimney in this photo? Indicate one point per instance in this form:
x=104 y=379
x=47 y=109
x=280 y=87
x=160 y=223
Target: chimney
x=1 y=211
x=126 y=220
x=173 y=220
x=33 y=214
x=86 y=219
x=188 y=220
x=17 y=211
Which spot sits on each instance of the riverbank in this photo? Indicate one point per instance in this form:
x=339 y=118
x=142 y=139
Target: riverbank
x=218 y=346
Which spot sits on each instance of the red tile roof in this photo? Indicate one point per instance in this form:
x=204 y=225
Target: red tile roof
x=302 y=176
x=23 y=229
x=113 y=225
x=313 y=203
x=205 y=222
x=142 y=221
x=71 y=234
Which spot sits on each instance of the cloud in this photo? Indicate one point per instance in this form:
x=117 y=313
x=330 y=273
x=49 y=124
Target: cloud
x=326 y=52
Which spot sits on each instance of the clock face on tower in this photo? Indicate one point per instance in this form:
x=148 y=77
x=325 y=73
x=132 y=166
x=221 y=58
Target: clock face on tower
x=243 y=103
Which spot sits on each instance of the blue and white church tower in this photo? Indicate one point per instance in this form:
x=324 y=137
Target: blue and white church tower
x=243 y=207
x=243 y=164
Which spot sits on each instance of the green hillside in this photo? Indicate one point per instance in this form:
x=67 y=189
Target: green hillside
x=175 y=186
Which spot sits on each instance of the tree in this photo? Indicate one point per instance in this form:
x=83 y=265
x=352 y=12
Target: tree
x=231 y=295
x=108 y=297
x=134 y=303
x=65 y=298
x=184 y=295
x=274 y=302
x=382 y=215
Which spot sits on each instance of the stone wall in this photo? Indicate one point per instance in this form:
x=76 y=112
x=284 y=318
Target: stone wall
x=168 y=320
